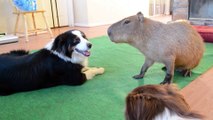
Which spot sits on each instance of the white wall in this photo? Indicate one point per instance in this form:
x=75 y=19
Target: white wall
x=8 y=19
x=80 y=12
x=87 y=13
x=100 y=12
x=65 y=12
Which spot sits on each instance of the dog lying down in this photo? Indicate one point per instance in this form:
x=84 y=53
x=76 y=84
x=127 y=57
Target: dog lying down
x=62 y=62
x=158 y=102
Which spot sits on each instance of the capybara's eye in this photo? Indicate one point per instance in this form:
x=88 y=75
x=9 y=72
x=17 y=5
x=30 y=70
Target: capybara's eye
x=126 y=21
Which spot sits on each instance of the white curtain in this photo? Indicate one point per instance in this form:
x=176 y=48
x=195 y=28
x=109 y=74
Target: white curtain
x=160 y=7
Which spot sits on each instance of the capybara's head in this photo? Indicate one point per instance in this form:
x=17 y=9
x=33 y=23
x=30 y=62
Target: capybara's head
x=123 y=31
x=149 y=102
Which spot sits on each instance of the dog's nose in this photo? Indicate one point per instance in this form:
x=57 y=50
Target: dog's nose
x=89 y=45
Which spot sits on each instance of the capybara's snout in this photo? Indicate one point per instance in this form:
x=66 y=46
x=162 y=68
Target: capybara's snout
x=109 y=31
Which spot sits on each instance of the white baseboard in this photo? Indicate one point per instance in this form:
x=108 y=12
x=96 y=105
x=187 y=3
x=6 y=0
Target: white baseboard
x=8 y=39
x=92 y=24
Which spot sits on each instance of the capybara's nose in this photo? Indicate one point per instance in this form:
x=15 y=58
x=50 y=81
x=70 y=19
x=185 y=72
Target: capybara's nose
x=109 y=31
x=89 y=45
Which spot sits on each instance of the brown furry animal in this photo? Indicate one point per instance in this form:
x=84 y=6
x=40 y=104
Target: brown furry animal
x=177 y=45
x=158 y=102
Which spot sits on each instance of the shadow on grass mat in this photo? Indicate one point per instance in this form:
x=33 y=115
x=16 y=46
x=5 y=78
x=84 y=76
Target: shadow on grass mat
x=103 y=97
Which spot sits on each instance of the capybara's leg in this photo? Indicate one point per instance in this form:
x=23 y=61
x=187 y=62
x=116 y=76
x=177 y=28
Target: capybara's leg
x=170 y=66
x=144 y=68
x=186 y=72
x=167 y=79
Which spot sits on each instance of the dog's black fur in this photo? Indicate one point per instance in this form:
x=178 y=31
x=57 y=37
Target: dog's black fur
x=17 y=53
x=21 y=71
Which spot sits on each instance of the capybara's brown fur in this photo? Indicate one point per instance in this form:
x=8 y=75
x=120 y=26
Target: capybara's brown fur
x=177 y=45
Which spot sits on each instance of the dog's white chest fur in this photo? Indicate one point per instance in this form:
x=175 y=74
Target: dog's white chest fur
x=79 y=59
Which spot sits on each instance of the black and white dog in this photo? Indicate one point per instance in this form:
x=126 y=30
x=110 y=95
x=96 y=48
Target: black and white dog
x=61 y=62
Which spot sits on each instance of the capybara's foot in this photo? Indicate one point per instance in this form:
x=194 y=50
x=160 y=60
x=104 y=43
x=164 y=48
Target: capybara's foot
x=164 y=82
x=186 y=73
x=138 y=76
x=167 y=79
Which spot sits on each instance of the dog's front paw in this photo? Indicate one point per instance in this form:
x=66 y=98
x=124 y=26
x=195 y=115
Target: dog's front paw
x=100 y=70
x=91 y=72
x=84 y=69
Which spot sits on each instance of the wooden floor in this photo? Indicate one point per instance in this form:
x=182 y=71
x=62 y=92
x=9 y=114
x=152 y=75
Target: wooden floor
x=199 y=93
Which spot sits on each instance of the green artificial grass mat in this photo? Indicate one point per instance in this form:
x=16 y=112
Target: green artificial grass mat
x=102 y=98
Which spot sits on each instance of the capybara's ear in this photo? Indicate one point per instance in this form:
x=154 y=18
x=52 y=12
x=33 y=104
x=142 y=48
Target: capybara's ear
x=140 y=16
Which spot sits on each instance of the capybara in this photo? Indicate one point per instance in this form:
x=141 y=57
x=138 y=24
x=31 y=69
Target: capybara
x=177 y=45
x=158 y=102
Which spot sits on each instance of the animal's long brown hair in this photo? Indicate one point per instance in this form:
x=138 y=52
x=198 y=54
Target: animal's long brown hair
x=146 y=102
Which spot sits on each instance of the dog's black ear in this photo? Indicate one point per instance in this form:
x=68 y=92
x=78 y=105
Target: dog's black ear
x=67 y=50
x=59 y=43
x=64 y=50
x=56 y=42
x=70 y=48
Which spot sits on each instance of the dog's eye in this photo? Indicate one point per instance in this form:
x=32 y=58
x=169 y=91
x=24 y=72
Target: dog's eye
x=76 y=40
